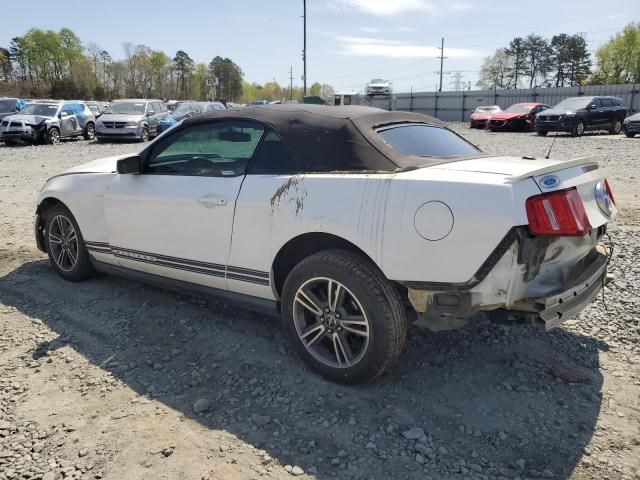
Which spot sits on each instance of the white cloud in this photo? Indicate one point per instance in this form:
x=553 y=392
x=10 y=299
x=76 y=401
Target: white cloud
x=374 y=47
x=384 y=8
x=406 y=29
x=459 y=6
x=370 y=29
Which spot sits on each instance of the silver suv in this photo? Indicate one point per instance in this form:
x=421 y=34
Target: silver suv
x=48 y=121
x=131 y=119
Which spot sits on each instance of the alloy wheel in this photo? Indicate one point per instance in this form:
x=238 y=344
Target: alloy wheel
x=63 y=243
x=330 y=322
x=91 y=132
x=54 y=136
x=580 y=129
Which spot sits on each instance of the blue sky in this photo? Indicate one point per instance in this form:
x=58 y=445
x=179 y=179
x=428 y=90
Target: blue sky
x=349 y=41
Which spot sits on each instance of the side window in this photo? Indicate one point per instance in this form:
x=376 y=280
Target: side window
x=597 y=103
x=158 y=107
x=150 y=109
x=606 y=102
x=273 y=158
x=67 y=108
x=221 y=149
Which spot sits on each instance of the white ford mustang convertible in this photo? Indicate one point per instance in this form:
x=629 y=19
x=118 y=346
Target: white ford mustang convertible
x=341 y=220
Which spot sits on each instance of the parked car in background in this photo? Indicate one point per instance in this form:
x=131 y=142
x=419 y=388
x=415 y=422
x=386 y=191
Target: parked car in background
x=46 y=121
x=260 y=102
x=378 y=86
x=96 y=108
x=259 y=206
x=519 y=116
x=481 y=115
x=10 y=106
x=577 y=115
x=186 y=110
x=135 y=119
x=631 y=125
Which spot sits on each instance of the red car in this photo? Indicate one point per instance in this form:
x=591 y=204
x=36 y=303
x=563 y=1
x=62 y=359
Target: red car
x=519 y=116
x=481 y=115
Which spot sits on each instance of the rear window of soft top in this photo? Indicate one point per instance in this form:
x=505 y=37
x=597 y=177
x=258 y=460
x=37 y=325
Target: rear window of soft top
x=425 y=140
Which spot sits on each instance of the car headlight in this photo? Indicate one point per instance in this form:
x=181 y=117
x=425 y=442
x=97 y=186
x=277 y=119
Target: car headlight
x=569 y=114
x=626 y=120
x=132 y=124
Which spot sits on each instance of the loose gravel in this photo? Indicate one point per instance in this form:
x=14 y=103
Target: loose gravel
x=115 y=380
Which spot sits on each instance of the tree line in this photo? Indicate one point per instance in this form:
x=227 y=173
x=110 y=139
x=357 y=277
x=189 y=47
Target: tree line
x=45 y=63
x=562 y=61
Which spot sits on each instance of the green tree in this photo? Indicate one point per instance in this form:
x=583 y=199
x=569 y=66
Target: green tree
x=183 y=65
x=570 y=60
x=517 y=52
x=229 y=77
x=537 y=56
x=618 y=60
x=495 y=71
x=315 y=90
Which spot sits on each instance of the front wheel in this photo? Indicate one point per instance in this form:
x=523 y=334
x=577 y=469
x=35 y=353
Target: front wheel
x=144 y=137
x=578 y=130
x=616 y=128
x=65 y=245
x=630 y=134
x=343 y=317
x=542 y=133
x=53 y=136
x=89 y=132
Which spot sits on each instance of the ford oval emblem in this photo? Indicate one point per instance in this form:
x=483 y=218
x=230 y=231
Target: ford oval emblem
x=549 y=181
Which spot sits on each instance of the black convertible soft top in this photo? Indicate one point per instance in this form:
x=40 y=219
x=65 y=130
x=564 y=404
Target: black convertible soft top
x=329 y=138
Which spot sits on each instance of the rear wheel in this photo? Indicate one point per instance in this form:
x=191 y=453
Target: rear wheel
x=65 y=245
x=542 y=133
x=344 y=318
x=53 y=136
x=616 y=128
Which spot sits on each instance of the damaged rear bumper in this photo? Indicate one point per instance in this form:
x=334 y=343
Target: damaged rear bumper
x=565 y=305
x=532 y=278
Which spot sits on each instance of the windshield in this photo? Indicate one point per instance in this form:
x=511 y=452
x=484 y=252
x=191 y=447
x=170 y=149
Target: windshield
x=424 y=140
x=7 y=106
x=42 y=109
x=377 y=80
x=126 y=108
x=519 y=108
x=574 y=103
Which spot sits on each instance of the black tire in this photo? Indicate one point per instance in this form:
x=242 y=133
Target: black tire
x=11 y=143
x=630 y=134
x=53 y=136
x=89 y=132
x=616 y=127
x=145 y=134
x=365 y=286
x=578 y=129
x=82 y=269
x=542 y=133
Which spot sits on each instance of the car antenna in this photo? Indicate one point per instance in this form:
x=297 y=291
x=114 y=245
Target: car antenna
x=554 y=141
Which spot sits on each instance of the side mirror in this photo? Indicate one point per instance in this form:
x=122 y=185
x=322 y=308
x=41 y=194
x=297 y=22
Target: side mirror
x=129 y=165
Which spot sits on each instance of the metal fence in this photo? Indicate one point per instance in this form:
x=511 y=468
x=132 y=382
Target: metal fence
x=457 y=106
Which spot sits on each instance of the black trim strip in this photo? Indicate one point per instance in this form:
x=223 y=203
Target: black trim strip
x=213 y=269
x=263 y=305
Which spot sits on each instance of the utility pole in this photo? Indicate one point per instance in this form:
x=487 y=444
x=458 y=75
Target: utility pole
x=304 y=47
x=291 y=83
x=442 y=57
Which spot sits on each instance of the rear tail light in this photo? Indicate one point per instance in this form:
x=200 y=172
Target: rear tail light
x=609 y=192
x=558 y=213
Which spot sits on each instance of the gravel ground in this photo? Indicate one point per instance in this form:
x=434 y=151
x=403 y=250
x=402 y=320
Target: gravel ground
x=111 y=379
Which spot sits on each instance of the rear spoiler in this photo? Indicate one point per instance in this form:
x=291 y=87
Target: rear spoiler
x=591 y=163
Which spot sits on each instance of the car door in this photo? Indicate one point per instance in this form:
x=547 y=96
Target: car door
x=609 y=112
x=68 y=121
x=152 y=119
x=596 y=115
x=174 y=219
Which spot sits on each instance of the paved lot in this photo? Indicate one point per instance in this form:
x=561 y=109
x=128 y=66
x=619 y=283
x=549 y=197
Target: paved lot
x=99 y=379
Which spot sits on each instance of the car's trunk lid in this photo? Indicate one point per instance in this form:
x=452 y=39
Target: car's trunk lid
x=548 y=174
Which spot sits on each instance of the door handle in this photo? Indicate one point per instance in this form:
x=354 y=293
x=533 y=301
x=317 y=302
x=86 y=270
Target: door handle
x=212 y=200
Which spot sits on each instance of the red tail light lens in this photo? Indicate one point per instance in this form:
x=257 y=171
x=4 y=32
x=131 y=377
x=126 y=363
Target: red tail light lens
x=609 y=192
x=558 y=213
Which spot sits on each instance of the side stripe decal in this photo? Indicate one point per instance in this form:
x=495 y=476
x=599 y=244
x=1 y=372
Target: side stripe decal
x=212 y=269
